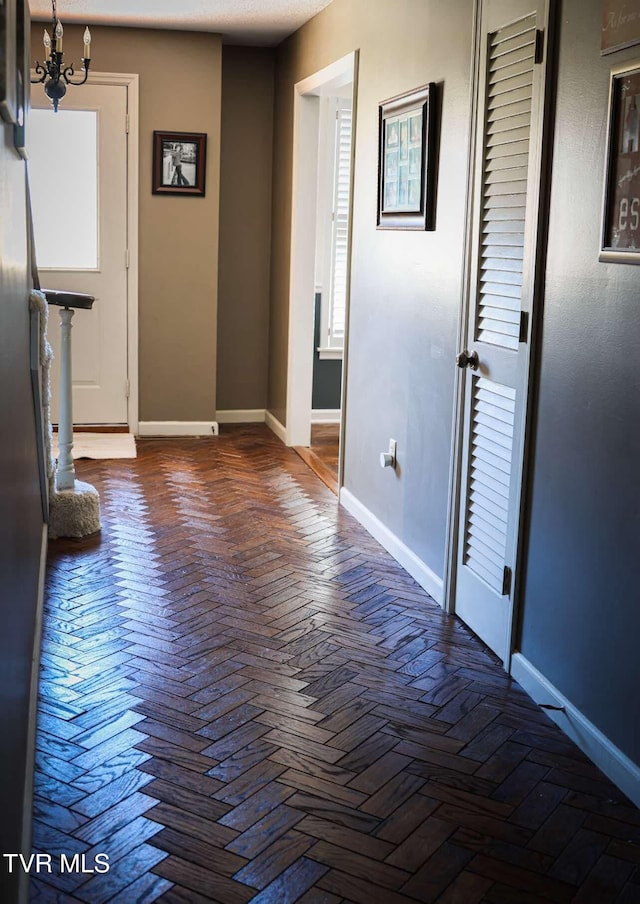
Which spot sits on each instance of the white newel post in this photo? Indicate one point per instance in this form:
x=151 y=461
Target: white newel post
x=74 y=506
x=66 y=473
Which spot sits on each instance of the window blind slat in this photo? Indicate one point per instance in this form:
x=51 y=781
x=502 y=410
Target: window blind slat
x=340 y=238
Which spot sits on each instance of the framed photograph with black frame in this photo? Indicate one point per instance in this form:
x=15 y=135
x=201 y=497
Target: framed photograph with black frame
x=620 y=241
x=406 y=160
x=179 y=163
x=8 y=80
x=23 y=75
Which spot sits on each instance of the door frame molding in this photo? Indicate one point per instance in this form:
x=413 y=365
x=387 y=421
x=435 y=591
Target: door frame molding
x=131 y=81
x=303 y=247
x=542 y=190
x=455 y=464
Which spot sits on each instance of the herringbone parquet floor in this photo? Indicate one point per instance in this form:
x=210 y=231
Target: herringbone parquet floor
x=325 y=443
x=243 y=698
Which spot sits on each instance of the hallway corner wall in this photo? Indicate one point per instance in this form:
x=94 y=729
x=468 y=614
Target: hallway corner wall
x=245 y=227
x=580 y=620
x=178 y=244
x=21 y=518
x=406 y=286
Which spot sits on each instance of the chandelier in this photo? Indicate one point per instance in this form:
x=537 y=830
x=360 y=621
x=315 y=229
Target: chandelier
x=53 y=73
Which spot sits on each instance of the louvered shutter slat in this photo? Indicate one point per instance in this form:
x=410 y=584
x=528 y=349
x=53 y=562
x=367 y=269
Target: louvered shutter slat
x=489 y=534
x=503 y=46
x=523 y=95
x=506 y=174
x=503 y=222
x=512 y=106
x=504 y=192
x=507 y=32
x=500 y=263
x=492 y=424
x=502 y=315
x=514 y=82
x=493 y=418
x=491 y=516
x=509 y=121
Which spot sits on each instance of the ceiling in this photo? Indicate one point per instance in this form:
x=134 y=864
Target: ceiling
x=264 y=22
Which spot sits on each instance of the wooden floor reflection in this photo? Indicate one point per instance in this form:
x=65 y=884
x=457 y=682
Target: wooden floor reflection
x=244 y=698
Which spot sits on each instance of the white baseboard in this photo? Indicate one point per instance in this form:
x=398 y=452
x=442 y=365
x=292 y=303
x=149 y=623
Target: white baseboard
x=178 y=428
x=325 y=415
x=420 y=572
x=241 y=416
x=274 y=425
x=622 y=771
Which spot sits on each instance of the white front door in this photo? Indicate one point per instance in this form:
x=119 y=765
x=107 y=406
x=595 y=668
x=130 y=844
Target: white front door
x=503 y=280
x=78 y=176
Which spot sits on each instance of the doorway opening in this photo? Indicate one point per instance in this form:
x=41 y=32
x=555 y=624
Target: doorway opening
x=320 y=252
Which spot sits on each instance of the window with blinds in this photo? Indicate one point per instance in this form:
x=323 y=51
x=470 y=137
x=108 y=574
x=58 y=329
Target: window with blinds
x=340 y=225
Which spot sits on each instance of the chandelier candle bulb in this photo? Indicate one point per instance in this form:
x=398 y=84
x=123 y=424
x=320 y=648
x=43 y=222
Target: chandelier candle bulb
x=55 y=74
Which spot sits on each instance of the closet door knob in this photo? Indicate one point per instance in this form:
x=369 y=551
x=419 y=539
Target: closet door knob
x=468 y=359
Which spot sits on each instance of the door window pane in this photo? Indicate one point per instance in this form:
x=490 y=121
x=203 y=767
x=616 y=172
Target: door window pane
x=63 y=173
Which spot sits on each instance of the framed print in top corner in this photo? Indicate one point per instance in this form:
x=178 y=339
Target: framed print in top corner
x=8 y=84
x=620 y=25
x=620 y=240
x=406 y=161
x=23 y=70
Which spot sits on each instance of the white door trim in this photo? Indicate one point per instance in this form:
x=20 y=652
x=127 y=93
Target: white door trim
x=455 y=464
x=131 y=81
x=303 y=232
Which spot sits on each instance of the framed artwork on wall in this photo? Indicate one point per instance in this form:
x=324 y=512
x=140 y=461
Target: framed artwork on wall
x=23 y=75
x=620 y=25
x=179 y=163
x=8 y=77
x=406 y=160
x=620 y=240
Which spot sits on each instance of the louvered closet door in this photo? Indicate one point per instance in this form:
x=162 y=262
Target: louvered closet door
x=503 y=253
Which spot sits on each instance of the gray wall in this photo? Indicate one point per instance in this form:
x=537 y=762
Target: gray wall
x=20 y=506
x=405 y=292
x=327 y=373
x=580 y=613
x=245 y=226
x=178 y=252
x=581 y=618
